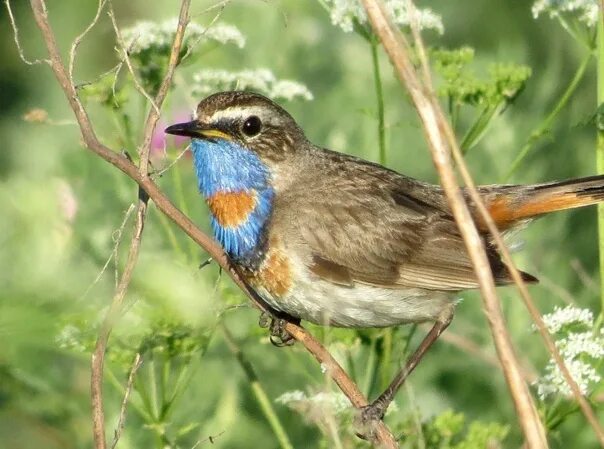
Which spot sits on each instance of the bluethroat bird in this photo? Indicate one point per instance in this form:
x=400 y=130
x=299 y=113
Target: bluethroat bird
x=333 y=239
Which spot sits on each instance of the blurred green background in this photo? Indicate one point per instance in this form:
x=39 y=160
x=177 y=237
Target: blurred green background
x=61 y=208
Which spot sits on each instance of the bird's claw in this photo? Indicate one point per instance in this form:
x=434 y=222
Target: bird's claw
x=278 y=335
x=367 y=419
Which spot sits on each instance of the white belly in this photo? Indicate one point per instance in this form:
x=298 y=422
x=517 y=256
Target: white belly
x=322 y=302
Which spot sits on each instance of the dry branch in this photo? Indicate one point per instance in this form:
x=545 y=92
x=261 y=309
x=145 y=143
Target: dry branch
x=383 y=436
x=437 y=131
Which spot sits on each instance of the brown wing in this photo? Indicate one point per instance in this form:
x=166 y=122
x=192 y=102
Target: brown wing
x=358 y=222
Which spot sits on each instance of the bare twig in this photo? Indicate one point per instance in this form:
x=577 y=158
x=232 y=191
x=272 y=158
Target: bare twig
x=122 y=418
x=348 y=387
x=13 y=24
x=436 y=129
x=174 y=162
x=98 y=356
x=117 y=236
x=126 y=58
x=78 y=40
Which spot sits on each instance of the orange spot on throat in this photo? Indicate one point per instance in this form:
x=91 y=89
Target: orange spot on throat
x=231 y=209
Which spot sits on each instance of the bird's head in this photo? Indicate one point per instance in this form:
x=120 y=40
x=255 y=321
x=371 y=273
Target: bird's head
x=244 y=119
x=241 y=144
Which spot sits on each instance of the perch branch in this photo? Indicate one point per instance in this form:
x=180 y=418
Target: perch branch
x=349 y=388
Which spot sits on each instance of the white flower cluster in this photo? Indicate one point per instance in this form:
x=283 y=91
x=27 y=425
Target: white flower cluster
x=586 y=10
x=580 y=349
x=561 y=318
x=260 y=80
x=334 y=402
x=147 y=35
x=345 y=12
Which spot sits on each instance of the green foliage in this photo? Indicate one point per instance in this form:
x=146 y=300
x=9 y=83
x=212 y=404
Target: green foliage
x=64 y=234
x=461 y=87
x=450 y=430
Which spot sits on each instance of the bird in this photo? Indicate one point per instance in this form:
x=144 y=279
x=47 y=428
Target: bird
x=336 y=240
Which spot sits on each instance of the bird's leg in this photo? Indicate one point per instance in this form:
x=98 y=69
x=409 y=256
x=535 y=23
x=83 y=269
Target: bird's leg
x=376 y=410
x=276 y=325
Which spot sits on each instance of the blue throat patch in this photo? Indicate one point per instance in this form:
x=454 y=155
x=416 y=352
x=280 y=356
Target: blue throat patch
x=223 y=166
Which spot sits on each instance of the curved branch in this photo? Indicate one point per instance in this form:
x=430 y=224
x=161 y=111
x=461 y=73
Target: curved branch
x=383 y=435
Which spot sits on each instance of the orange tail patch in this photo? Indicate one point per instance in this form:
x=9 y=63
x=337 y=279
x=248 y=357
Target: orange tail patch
x=507 y=211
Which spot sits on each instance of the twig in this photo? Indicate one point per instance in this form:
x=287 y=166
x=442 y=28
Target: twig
x=211 y=439
x=116 y=235
x=122 y=418
x=78 y=40
x=98 y=356
x=128 y=61
x=116 y=305
x=174 y=162
x=436 y=130
x=13 y=24
x=348 y=387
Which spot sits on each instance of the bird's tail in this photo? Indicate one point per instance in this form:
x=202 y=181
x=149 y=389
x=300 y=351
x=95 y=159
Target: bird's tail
x=526 y=202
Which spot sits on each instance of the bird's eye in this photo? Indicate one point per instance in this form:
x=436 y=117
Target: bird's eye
x=251 y=126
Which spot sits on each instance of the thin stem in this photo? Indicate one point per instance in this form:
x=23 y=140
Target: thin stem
x=260 y=394
x=370 y=368
x=545 y=125
x=386 y=358
x=600 y=155
x=442 y=142
x=379 y=95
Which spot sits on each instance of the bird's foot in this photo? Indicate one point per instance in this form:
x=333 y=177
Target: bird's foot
x=368 y=418
x=278 y=335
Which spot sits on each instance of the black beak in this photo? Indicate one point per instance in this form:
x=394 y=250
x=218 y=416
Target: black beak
x=189 y=129
x=196 y=130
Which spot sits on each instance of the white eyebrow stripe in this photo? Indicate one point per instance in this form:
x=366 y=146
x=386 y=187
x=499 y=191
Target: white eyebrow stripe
x=237 y=112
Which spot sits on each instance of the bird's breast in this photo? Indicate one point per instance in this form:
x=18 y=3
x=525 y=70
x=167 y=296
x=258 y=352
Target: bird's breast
x=273 y=279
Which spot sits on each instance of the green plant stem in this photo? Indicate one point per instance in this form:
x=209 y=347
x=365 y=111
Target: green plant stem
x=370 y=368
x=261 y=397
x=600 y=156
x=153 y=385
x=379 y=95
x=386 y=358
x=546 y=124
x=119 y=387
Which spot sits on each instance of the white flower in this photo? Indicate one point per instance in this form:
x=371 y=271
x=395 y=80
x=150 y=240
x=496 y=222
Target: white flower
x=225 y=34
x=553 y=382
x=569 y=315
x=586 y=10
x=290 y=90
x=147 y=35
x=344 y=13
x=580 y=346
x=577 y=344
x=260 y=80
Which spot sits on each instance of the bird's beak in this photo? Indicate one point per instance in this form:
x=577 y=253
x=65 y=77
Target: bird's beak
x=196 y=129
